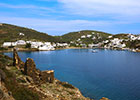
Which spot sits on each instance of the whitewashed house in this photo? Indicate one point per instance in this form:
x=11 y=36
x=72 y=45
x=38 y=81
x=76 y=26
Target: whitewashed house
x=132 y=37
x=46 y=47
x=83 y=36
x=62 y=44
x=110 y=36
x=22 y=34
x=93 y=38
x=89 y=36
x=93 y=33
x=6 y=44
x=78 y=39
x=20 y=42
x=115 y=41
x=36 y=44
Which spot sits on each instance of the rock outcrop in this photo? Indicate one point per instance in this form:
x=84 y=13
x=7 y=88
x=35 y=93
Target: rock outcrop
x=17 y=61
x=30 y=70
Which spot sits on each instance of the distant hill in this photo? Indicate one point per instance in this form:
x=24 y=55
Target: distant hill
x=72 y=36
x=12 y=33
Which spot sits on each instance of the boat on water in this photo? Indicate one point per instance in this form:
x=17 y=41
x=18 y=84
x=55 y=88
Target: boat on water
x=94 y=51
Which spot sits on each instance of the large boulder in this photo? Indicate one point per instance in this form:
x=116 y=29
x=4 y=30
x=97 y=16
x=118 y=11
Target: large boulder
x=17 y=61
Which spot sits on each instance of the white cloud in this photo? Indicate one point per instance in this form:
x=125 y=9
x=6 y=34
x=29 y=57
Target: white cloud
x=102 y=7
x=56 y=27
x=30 y=7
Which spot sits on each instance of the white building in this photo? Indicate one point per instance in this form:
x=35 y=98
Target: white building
x=132 y=37
x=7 y=44
x=20 y=42
x=115 y=41
x=62 y=44
x=110 y=36
x=78 y=39
x=93 y=38
x=93 y=33
x=106 y=41
x=83 y=36
x=36 y=44
x=22 y=34
x=89 y=36
x=46 y=47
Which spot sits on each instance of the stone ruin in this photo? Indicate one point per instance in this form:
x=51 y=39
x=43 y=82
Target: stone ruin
x=47 y=76
x=17 y=61
x=29 y=69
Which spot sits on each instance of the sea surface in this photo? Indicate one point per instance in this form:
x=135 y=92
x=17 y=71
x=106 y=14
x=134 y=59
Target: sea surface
x=107 y=73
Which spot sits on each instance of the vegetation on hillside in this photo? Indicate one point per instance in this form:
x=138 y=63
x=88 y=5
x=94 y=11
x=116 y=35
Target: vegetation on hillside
x=12 y=33
x=75 y=35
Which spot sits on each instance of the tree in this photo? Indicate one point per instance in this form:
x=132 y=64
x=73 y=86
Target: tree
x=28 y=45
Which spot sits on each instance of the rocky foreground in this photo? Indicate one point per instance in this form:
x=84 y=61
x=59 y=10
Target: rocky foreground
x=22 y=81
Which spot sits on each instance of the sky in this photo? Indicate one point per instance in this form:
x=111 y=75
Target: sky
x=57 y=17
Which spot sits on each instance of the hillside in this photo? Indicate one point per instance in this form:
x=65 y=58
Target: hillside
x=12 y=33
x=72 y=36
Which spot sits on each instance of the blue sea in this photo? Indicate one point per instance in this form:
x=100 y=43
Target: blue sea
x=107 y=73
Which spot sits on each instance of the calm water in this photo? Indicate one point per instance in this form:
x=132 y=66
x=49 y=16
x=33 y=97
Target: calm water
x=108 y=73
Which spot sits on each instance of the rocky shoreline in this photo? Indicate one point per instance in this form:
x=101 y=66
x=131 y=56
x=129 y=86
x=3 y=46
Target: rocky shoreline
x=42 y=83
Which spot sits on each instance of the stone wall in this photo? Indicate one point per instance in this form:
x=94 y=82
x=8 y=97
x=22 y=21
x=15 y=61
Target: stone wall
x=47 y=76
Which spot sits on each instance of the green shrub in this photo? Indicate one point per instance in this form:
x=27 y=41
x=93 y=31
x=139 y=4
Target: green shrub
x=28 y=45
x=66 y=85
x=22 y=93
